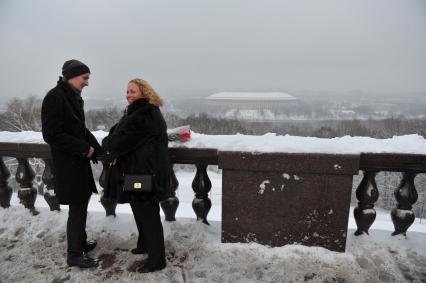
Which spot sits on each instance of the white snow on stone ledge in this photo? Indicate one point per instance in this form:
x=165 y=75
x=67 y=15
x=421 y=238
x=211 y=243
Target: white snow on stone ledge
x=271 y=142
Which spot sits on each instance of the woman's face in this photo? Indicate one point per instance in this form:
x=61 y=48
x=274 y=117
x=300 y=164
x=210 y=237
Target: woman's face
x=133 y=93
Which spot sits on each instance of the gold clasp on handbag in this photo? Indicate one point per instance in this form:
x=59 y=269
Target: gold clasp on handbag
x=137 y=183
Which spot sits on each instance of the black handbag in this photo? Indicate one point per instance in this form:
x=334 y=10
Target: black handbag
x=137 y=183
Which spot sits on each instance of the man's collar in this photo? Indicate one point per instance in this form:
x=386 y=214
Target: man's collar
x=76 y=91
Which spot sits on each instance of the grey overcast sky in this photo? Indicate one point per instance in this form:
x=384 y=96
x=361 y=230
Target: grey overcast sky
x=336 y=45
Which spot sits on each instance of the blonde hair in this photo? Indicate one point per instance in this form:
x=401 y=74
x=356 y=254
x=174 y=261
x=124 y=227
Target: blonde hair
x=148 y=92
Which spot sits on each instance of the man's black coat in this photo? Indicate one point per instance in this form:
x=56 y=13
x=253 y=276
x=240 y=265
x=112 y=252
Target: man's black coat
x=139 y=142
x=65 y=131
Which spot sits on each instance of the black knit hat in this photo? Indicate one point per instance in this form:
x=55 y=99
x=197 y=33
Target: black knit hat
x=73 y=68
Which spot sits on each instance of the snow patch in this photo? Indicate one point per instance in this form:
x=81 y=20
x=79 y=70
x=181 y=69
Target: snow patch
x=368 y=211
x=402 y=213
x=262 y=187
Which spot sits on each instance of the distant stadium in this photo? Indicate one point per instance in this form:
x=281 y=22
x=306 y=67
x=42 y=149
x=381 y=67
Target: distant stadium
x=251 y=105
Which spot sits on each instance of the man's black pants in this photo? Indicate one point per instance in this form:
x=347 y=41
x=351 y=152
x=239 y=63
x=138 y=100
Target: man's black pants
x=76 y=228
x=151 y=237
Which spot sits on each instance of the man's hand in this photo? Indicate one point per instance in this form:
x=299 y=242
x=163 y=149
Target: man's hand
x=91 y=151
x=112 y=163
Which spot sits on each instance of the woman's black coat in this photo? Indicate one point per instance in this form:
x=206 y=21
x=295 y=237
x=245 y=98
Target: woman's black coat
x=139 y=142
x=64 y=130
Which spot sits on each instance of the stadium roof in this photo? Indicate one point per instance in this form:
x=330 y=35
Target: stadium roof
x=251 y=96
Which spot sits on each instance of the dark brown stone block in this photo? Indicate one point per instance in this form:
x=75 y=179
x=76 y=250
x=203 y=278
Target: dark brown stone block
x=287 y=198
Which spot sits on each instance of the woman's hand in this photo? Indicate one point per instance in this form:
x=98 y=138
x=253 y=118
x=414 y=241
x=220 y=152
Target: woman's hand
x=112 y=163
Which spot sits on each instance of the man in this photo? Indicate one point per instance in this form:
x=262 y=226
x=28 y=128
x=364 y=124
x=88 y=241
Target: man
x=72 y=146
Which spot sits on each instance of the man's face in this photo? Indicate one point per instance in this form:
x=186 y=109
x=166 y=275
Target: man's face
x=80 y=82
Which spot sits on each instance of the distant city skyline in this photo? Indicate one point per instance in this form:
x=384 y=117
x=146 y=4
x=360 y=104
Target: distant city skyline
x=337 y=46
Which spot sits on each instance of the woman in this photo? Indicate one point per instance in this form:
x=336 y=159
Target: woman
x=138 y=144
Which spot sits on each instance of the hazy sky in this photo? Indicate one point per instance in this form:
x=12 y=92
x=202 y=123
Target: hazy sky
x=368 y=45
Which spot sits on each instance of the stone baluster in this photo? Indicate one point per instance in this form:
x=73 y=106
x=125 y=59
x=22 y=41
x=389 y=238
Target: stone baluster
x=201 y=186
x=25 y=176
x=170 y=205
x=367 y=194
x=5 y=189
x=406 y=196
x=108 y=204
x=49 y=194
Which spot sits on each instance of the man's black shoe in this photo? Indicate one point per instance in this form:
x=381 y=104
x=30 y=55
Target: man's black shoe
x=83 y=262
x=138 y=251
x=89 y=246
x=146 y=269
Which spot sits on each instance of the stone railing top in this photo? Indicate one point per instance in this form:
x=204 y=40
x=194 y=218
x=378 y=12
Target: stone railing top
x=312 y=163
x=205 y=156
x=408 y=144
x=401 y=153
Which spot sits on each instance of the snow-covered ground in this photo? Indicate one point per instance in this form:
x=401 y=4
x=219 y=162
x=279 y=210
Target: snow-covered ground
x=32 y=249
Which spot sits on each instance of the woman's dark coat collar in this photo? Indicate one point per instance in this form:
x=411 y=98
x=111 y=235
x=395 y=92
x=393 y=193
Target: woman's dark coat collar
x=137 y=104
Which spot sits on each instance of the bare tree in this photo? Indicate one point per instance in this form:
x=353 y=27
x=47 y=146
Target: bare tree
x=103 y=119
x=22 y=115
